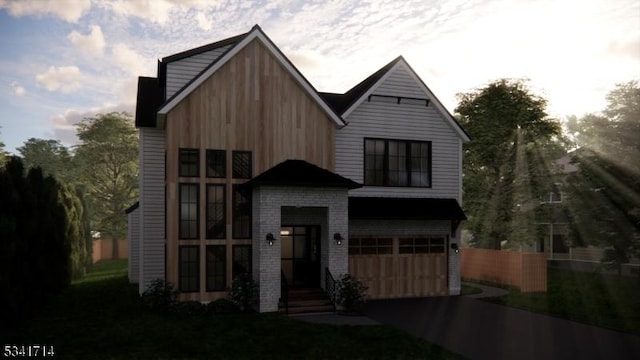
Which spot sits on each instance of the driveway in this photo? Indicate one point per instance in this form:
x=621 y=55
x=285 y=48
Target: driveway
x=481 y=330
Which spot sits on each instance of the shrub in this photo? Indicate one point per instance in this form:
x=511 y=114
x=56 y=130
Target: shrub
x=160 y=296
x=243 y=292
x=222 y=306
x=191 y=308
x=351 y=292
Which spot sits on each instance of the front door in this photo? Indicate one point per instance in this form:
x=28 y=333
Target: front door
x=301 y=255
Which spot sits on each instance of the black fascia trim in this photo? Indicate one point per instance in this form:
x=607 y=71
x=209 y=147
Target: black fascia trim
x=203 y=48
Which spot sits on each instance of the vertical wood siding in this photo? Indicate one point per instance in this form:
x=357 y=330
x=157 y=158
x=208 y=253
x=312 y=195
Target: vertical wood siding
x=250 y=104
x=151 y=175
x=409 y=120
x=180 y=72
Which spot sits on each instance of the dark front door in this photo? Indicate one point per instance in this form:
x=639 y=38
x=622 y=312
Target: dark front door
x=301 y=255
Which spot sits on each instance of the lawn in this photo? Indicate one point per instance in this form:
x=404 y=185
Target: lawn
x=607 y=301
x=100 y=317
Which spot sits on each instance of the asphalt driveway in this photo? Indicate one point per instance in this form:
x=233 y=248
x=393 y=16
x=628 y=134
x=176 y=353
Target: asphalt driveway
x=481 y=330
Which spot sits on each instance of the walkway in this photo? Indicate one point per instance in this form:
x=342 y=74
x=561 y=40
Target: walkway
x=487 y=291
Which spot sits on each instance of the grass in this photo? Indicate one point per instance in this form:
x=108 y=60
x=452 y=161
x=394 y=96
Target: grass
x=469 y=290
x=607 y=301
x=99 y=317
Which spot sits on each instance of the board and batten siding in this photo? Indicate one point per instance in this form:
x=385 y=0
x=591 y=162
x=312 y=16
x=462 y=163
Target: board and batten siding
x=152 y=182
x=133 y=229
x=180 y=72
x=409 y=120
x=252 y=103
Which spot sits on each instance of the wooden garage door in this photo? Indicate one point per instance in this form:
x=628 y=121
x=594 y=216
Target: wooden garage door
x=400 y=267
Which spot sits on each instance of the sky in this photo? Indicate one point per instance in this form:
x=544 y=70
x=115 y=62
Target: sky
x=64 y=60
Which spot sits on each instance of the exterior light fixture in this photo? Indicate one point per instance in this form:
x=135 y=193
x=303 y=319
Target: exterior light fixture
x=270 y=239
x=338 y=238
x=454 y=247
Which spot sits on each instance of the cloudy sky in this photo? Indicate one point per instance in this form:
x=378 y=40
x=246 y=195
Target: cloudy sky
x=63 y=60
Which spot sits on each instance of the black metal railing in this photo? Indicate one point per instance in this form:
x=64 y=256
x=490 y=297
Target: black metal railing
x=330 y=287
x=284 y=292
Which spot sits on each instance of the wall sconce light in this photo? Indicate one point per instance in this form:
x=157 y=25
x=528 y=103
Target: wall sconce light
x=338 y=238
x=270 y=239
x=454 y=247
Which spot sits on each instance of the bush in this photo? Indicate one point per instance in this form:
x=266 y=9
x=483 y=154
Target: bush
x=191 y=308
x=222 y=306
x=351 y=292
x=160 y=296
x=243 y=292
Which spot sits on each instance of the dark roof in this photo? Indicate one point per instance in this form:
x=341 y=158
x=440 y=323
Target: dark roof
x=301 y=174
x=203 y=48
x=341 y=102
x=150 y=97
x=132 y=207
x=405 y=208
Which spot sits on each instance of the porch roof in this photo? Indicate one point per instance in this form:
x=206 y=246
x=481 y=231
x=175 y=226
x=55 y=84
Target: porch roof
x=300 y=173
x=405 y=208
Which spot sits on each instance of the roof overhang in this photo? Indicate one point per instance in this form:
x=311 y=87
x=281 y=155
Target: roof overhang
x=256 y=33
x=384 y=208
x=299 y=173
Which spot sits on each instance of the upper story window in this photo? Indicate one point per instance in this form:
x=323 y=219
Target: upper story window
x=241 y=164
x=189 y=163
x=189 y=214
x=216 y=163
x=397 y=163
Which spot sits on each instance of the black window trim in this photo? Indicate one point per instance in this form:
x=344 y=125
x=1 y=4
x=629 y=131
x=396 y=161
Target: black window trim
x=197 y=187
x=224 y=210
x=180 y=248
x=233 y=153
x=386 y=161
x=197 y=151
x=224 y=163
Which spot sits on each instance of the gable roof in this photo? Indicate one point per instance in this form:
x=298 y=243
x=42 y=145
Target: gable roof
x=346 y=103
x=303 y=174
x=256 y=33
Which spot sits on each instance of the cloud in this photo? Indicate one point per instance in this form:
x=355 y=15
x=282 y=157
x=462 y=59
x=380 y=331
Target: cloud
x=18 y=89
x=156 y=11
x=203 y=22
x=64 y=125
x=68 y=10
x=129 y=60
x=64 y=78
x=92 y=43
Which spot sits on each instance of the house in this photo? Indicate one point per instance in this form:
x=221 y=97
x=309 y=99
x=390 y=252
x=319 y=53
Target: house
x=245 y=167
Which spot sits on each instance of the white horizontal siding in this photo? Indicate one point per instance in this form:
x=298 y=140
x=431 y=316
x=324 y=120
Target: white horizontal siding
x=180 y=72
x=398 y=227
x=409 y=120
x=152 y=238
x=133 y=220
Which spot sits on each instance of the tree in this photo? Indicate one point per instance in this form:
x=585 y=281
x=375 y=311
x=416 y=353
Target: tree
x=50 y=155
x=507 y=124
x=108 y=156
x=605 y=193
x=3 y=154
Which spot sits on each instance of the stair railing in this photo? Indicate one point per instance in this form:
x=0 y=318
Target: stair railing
x=330 y=287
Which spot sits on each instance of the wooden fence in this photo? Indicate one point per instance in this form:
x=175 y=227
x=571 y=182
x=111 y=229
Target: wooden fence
x=103 y=249
x=527 y=271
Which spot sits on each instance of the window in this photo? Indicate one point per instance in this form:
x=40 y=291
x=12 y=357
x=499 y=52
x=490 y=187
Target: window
x=422 y=245
x=242 y=164
x=397 y=163
x=189 y=163
x=216 y=163
x=216 y=267
x=189 y=269
x=189 y=214
x=241 y=260
x=370 y=246
x=216 y=220
x=241 y=212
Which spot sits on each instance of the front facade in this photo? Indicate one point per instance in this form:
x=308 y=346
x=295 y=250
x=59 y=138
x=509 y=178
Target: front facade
x=245 y=167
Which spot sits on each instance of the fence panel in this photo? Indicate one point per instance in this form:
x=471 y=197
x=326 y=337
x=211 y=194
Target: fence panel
x=527 y=271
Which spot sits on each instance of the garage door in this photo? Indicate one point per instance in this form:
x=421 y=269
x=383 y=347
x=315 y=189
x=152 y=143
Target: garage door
x=395 y=267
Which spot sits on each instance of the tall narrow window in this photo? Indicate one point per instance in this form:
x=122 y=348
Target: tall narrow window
x=216 y=163
x=189 y=165
x=216 y=267
x=189 y=213
x=242 y=164
x=189 y=269
x=216 y=220
x=397 y=163
x=241 y=260
x=241 y=212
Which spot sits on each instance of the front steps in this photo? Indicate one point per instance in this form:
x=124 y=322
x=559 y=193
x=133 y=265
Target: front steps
x=304 y=301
